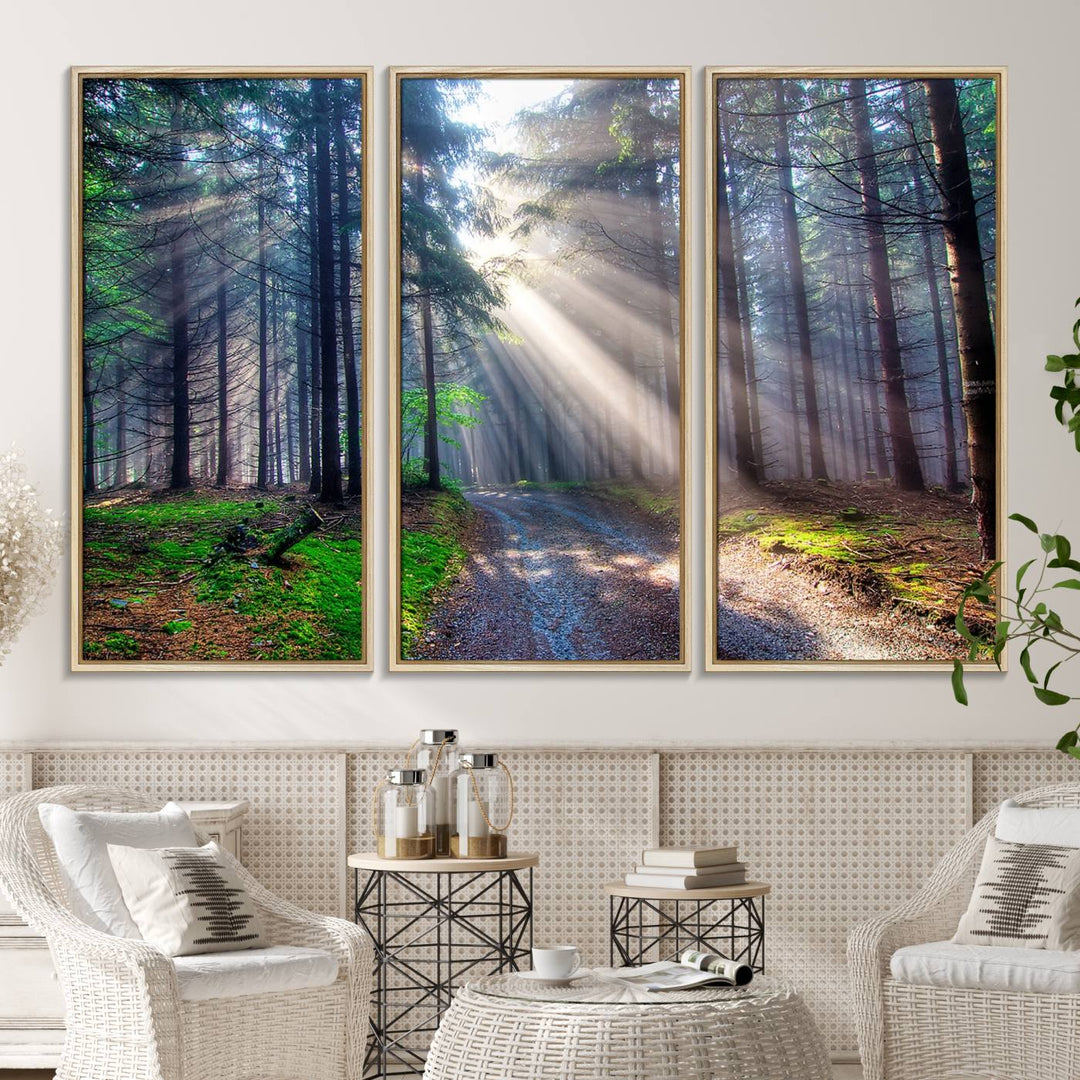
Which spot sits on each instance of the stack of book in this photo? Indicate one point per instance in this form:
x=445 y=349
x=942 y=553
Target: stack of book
x=688 y=868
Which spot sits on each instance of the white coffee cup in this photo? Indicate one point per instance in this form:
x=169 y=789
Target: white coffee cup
x=556 y=961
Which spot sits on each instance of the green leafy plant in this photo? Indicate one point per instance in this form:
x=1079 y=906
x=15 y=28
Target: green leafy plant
x=1027 y=615
x=456 y=405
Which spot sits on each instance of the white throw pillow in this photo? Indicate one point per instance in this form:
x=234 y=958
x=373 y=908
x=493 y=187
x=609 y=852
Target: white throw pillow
x=187 y=900
x=1057 y=825
x=81 y=838
x=1025 y=896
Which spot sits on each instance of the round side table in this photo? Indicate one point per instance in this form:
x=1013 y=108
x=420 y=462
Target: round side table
x=593 y=1029
x=729 y=920
x=431 y=922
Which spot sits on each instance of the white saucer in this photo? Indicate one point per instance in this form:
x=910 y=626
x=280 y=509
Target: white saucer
x=536 y=977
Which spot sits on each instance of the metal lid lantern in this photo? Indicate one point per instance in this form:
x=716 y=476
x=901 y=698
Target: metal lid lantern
x=437 y=753
x=405 y=809
x=485 y=807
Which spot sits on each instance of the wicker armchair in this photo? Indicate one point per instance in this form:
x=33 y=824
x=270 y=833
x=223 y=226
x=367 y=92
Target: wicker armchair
x=911 y=1032
x=124 y=1016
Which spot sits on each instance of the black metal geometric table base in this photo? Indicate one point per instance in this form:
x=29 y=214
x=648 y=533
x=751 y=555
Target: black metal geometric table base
x=734 y=928
x=427 y=941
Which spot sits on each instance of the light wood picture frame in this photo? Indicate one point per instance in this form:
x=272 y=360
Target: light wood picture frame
x=553 y=200
x=827 y=266
x=220 y=236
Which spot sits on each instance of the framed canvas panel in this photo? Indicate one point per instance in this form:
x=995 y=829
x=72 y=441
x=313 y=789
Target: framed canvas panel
x=855 y=333
x=221 y=340
x=539 y=300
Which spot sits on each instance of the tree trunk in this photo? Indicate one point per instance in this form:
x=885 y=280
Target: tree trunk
x=178 y=317
x=303 y=387
x=974 y=325
x=881 y=449
x=633 y=418
x=858 y=375
x=793 y=242
x=221 y=478
x=292 y=534
x=330 y=489
x=929 y=266
x=757 y=435
x=348 y=348
x=261 y=474
x=798 y=464
x=665 y=313
x=315 y=476
x=120 y=472
x=849 y=383
x=906 y=465
x=89 y=472
x=746 y=465
x=275 y=320
x=427 y=335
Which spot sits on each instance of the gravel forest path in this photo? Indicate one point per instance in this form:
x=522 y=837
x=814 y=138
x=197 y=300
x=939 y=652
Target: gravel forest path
x=560 y=575
x=771 y=608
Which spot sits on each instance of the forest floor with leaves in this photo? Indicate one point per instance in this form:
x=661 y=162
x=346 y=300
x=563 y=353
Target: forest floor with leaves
x=185 y=577
x=554 y=572
x=843 y=571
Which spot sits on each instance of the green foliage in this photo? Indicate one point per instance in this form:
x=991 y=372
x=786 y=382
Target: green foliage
x=178 y=626
x=455 y=405
x=1024 y=617
x=414 y=474
x=430 y=560
x=1067 y=395
x=117 y=645
x=428 y=563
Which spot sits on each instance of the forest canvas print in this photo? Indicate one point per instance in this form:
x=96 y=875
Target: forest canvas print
x=855 y=331
x=220 y=331
x=539 y=274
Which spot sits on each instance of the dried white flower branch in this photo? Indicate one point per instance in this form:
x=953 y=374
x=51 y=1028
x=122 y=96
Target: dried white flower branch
x=31 y=540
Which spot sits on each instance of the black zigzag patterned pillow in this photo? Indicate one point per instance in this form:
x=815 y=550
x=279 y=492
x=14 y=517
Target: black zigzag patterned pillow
x=1026 y=895
x=187 y=900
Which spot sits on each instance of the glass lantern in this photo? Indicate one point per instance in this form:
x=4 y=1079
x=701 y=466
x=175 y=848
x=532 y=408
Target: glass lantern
x=485 y=807
x=437 y=754
x=405 y=817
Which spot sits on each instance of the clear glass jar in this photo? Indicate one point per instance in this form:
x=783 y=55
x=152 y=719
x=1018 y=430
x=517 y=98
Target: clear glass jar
x=485 y=808
x=437 y=754
x=405 y=816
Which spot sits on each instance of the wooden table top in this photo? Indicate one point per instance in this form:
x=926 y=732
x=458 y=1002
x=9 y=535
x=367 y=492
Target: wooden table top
x=516 y=860
x=721 y=892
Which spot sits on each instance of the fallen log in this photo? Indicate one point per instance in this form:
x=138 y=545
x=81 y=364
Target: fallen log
x=292 y=534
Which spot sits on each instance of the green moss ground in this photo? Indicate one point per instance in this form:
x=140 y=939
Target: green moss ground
x=432 y=553
x=139 y=556
x=878 y=544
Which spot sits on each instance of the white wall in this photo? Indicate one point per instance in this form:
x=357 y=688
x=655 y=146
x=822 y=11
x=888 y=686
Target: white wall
x=41 y=700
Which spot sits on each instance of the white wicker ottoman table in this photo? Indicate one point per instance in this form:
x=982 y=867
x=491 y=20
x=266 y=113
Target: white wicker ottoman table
x=503 y=1027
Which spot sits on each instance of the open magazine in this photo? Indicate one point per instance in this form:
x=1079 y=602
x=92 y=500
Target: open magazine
x=693 y=969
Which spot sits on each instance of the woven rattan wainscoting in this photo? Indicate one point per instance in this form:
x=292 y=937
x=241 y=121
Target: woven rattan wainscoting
x=840 y=833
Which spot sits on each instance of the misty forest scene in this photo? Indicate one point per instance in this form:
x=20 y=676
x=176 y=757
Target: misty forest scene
x=222 y=435
x=856 y=299
x=540 y=224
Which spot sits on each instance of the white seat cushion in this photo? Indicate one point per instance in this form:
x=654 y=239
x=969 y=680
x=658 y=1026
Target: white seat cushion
x=988 y=967
x=253 y=971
